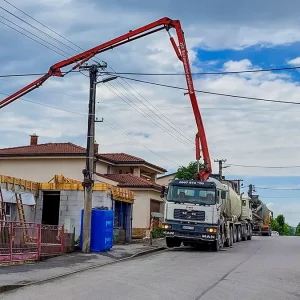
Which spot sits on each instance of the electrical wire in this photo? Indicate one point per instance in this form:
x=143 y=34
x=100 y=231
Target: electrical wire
x=32 y=39
x=108 y=124
x=210 y=93
x=151 y=119
x=47 y=35
x=275 y=189
x=121 y=130
x=210 y=73
x=265 y=167
x=112 y=86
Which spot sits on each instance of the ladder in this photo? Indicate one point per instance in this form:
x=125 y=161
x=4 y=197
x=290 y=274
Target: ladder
x=21 y=214
x=2 y=208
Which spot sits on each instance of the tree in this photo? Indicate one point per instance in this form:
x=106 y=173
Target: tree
x=281 y=220
x=297 y=232
x=278 y=224
x=188 y=172
x=275 y=225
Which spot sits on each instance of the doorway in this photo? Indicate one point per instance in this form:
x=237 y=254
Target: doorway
x=51 y=203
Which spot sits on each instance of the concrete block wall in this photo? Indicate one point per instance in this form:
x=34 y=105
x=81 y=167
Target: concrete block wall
x=71 y=204
x=39 y=208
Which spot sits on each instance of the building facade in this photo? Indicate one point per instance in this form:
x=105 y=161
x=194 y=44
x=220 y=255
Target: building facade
x=40 y=162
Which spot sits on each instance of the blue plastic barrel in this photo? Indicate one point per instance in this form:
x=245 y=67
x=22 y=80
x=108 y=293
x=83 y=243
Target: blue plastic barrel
x=102 y=229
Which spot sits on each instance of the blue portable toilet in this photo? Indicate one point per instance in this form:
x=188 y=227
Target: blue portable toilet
x=102 y=228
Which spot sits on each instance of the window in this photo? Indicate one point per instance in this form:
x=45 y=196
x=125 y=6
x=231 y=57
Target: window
x=8 y=209
x=192 y=195
x=120 y=172
x=108 y=169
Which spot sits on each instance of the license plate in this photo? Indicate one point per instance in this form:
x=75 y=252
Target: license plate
x=188 y=227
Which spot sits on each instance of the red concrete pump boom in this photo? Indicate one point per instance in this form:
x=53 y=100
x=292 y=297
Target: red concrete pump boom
x=182 y=53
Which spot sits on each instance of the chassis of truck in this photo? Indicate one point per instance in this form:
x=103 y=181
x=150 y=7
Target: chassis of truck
x=198 y=212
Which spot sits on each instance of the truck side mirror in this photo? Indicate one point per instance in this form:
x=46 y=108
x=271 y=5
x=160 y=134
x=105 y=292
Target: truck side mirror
x=223 y=195
x=162 y=192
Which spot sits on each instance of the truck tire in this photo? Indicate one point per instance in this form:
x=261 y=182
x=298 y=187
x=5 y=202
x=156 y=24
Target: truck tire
x=229 y=241
x=239 y=234
x=219 y=243
x=249 y=237
x=234 y=233
x=172 y=242
x=246 y=233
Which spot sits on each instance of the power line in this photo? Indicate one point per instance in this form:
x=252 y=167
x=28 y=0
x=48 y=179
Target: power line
x=108 y=124
x=112 y=86
x=266 y=167
x=175 y=87
x=210 y=73
x=182 y=74
x=210 y=93
x=275 y=189
x=34 y=27
x=50 y=36
x=32 y=38
x=151 y=119
x=22 y=75
x=168 y=122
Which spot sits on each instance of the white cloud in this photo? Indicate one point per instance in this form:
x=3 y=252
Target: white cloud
x=242 y=131
x=294 y=62
x=241 y=65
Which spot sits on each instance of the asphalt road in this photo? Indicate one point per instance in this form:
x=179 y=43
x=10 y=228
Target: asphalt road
x=264 y=268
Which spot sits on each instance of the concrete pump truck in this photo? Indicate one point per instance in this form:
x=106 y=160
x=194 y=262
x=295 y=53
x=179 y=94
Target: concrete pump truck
x=201 y=210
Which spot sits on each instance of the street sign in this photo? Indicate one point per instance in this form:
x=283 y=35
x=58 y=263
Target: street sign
x=157 y=215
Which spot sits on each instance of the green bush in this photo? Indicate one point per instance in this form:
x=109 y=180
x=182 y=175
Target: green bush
x=157 y=233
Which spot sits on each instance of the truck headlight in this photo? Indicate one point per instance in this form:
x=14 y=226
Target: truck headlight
x=212 y=230
x=166 y=226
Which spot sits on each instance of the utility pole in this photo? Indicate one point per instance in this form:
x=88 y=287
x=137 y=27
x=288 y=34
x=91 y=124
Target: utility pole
x=221 y=167
x=88 y=172
x=251 y=190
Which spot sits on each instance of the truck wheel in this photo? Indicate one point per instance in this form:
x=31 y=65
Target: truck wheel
x=239 y=234
x=246 y=233
x=249 y=237
x=231 y=237
x=218 y=244
x=171 y=242
x=234 y=233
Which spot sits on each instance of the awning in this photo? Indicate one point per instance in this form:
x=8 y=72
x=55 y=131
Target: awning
x=10 y=197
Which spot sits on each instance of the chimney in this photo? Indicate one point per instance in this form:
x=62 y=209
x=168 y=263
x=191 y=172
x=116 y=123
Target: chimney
x=33 y=140
x=96 y=148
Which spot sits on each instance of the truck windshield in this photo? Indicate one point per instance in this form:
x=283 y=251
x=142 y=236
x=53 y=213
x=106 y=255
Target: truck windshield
x=202 y=196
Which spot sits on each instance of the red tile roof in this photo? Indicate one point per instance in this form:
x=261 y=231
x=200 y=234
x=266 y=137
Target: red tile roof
x=44 y=149
x=69 y=149
x=123 y=158
x=130 y=180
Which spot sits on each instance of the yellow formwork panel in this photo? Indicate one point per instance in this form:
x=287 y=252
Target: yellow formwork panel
x=13 y=183
x=61 y=182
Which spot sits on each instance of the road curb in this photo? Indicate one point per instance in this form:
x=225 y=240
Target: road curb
x=11 y=287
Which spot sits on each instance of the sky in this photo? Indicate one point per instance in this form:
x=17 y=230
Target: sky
x=157 y=123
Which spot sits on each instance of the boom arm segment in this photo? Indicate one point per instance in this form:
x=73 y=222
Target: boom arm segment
x=182 y=53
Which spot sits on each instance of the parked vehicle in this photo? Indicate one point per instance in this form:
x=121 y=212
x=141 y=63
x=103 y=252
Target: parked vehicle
x=261 y=217
x=275 y=233
x=208 y=211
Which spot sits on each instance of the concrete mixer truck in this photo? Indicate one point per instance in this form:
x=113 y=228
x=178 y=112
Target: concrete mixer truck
x=210 y=211
x=261 y=217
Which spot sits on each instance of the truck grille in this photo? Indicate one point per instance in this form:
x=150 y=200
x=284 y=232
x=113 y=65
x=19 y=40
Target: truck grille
x=194 y=215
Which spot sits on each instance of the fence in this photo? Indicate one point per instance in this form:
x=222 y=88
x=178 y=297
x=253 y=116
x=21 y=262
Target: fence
x=29 y=241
